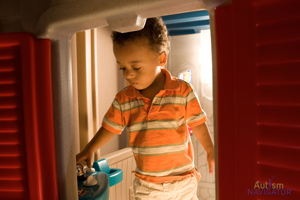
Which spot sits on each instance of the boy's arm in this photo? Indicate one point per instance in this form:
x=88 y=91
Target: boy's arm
x=202 y=134
x=100 y=139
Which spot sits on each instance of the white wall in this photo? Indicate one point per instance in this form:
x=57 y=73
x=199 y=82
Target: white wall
x=184 y=54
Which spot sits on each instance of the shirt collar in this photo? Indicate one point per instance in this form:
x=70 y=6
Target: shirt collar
x=170 y=84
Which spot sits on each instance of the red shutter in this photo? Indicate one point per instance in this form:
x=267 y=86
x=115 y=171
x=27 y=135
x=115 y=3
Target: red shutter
x=27 y=151
x=258 y=97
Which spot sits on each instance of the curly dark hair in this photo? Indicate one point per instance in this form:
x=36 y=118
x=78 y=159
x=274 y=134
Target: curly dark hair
x=155 y=31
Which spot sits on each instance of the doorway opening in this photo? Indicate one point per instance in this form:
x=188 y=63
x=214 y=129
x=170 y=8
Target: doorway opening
x=190 y=59
x=95 y=68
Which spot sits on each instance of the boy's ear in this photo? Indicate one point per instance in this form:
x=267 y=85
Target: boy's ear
x=163 y=58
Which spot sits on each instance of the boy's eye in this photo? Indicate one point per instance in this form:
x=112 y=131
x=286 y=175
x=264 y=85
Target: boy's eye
x=125 y=68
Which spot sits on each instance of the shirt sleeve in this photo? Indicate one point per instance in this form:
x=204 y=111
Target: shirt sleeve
x=194 y=113
x=113 y=120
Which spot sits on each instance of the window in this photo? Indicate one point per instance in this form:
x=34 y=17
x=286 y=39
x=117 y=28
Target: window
x=186 y=76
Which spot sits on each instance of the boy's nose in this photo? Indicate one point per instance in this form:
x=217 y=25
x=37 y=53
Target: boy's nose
x=129 y=74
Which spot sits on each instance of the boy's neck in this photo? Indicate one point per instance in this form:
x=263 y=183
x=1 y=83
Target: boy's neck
x=157 y=85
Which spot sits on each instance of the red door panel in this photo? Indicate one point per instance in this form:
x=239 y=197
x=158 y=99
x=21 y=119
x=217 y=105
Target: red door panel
x=27 y=151
x=258 y=98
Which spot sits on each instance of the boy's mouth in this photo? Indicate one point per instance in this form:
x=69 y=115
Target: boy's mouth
x=133 y=84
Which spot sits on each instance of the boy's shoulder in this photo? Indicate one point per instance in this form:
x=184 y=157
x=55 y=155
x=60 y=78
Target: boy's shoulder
x=121 y=94
x=183 y=82
x=185 y=87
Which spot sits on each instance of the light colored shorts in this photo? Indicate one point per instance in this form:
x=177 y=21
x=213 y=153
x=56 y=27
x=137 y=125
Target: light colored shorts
x=184 y=189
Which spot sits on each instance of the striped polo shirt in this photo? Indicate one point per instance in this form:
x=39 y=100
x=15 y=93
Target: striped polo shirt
x=159 y=136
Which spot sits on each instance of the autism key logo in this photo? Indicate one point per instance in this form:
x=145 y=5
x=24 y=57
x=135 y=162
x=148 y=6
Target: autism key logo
x=269 y=188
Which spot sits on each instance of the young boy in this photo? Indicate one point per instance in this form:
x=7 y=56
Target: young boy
x=156 y=109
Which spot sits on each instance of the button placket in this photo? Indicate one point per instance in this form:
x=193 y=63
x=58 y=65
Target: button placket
x=154 y=107
x=146 y=105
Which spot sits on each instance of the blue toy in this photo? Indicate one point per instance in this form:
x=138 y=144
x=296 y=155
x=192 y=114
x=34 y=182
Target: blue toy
x=115 y=176
x=100 y=191
x=105 y=176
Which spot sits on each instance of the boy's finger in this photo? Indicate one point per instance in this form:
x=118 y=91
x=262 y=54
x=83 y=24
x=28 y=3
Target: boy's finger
x=211 y=167
x=78 y=159
x=89 y=162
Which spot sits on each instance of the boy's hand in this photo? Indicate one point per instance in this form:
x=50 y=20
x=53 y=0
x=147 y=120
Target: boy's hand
x=86 y=156
x=101 y=138
x=211 y=162
x=202 y=134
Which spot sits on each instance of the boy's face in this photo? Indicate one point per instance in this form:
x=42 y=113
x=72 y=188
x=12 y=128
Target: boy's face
x=139 y=64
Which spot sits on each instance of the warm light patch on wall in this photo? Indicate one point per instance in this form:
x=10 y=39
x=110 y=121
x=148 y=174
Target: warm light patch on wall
x=206 y=64
x=206 y=59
